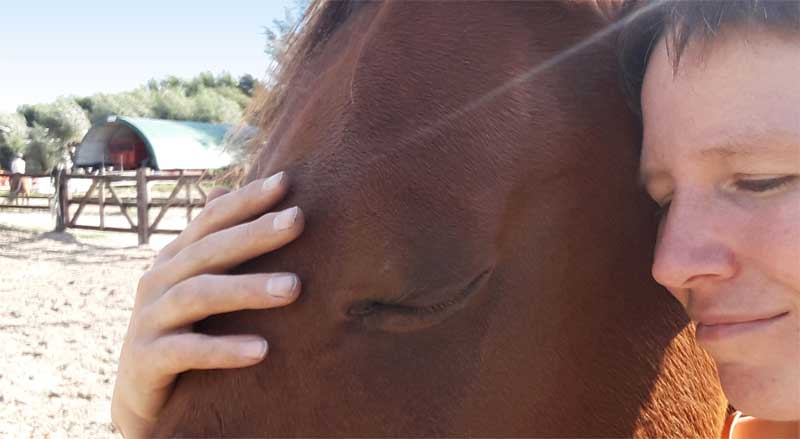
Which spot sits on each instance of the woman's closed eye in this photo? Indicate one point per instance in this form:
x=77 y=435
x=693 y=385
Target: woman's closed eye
x=762 y=184
x=663 y=209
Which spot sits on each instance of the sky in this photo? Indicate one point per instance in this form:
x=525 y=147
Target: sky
x=51 y=48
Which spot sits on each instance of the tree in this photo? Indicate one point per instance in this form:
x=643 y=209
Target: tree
x=64 y=118
x=234 y=94
x=247 y=84
x=13 y=137
x=172 y=103
x=137 y=103
x=210 y=106
x=42 y=151
x=13 y=131
x=42 y=131
x=51 y=127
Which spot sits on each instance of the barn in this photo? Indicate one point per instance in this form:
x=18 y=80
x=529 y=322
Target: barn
x=130 y=142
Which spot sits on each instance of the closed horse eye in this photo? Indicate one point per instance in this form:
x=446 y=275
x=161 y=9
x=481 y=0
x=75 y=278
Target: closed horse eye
x=406 y=317
x=363 y=309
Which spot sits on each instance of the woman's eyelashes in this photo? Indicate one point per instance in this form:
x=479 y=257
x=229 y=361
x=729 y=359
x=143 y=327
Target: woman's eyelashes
x=763 y=185
x=663 y=209
x=757 y=185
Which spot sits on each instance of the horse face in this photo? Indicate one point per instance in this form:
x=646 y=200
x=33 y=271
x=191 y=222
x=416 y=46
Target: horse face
x=476 y=252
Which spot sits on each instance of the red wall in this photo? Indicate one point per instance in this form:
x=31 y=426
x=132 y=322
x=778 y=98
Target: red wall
x=126 y=150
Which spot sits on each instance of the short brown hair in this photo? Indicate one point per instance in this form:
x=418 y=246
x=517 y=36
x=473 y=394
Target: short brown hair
x=679 y=20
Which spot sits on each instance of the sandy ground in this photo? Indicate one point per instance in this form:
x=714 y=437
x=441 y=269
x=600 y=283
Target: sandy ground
x=65 y=300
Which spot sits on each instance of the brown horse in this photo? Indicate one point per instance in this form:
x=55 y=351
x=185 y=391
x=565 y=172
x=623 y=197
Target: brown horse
x=19 y=187
x=476 y=254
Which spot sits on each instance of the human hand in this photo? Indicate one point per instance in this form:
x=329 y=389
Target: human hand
x=186 y=284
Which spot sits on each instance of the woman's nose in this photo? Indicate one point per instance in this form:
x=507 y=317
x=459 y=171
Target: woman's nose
x=694 y=244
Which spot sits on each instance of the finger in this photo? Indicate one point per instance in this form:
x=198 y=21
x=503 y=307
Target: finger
x=227 y=248
x=178 y=353
x=216 y=192
x=175 y=245
x=230 y=209
x=201 y=296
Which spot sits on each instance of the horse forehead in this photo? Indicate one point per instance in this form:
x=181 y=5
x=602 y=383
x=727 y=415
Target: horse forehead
x=424 y=115
x=397 y=99
x=399 y=125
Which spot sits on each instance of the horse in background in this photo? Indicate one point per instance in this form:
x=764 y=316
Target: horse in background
x=19 y=186
x=476 y=257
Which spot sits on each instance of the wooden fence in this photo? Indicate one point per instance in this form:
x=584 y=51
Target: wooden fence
x=104 y=192
x=35 y=206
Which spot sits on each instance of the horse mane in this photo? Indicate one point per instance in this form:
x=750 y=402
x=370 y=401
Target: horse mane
x=320 y=20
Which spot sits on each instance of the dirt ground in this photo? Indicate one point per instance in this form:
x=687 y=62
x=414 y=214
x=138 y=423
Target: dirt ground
x=65 y=299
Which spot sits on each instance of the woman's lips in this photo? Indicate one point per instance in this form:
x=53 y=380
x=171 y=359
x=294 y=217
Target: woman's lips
x=709 y=333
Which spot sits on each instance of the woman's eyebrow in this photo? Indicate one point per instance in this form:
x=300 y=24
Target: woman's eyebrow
x=759 y=144
x=771 y=146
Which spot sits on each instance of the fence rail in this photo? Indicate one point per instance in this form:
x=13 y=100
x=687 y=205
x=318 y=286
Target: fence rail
x=102 y=192
x=8 y=197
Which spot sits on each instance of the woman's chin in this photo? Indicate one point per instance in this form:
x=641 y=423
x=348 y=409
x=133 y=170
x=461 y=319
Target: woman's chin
x=761 y=391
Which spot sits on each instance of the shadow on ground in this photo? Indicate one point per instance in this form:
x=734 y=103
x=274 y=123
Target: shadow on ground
x=66 y=247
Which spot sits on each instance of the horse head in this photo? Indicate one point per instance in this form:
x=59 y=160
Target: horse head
x=477 y=251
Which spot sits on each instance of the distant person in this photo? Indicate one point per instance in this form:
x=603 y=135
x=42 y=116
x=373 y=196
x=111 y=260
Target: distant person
x=67 y=161
x=18 y=164
x=19 y=184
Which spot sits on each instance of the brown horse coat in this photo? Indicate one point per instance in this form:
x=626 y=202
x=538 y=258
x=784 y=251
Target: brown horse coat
x=19 y=186
x=476 y=254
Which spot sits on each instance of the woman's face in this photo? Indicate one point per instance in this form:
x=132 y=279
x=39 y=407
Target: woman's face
x=721 y=154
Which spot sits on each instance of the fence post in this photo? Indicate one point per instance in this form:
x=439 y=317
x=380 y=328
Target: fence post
x=102 y=198
x=142 y=201
x=62 y=200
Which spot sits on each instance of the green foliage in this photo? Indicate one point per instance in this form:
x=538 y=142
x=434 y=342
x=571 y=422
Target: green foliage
x=13 y=137
x=43 y=131
x=64 y=119
x=247 y=84
x=171 y=103
x=234 y=94
x=13 y=131
x=42 y=150
x=211 y=106
x=137 y=103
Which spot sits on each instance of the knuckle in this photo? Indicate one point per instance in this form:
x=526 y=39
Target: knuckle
x=195 y=296
x=137 y=349
x=212 y=210
x=250 y=290
x=186 y=295
x=254 y=231
x=197 y=352
x=175 y=353
x=145 y=317
x=172 y=248
x=216 y=192
x=147 y=282
x=197 y=253
x=171 y=358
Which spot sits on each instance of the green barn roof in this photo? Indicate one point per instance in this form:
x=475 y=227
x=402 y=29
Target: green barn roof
x=172 y=144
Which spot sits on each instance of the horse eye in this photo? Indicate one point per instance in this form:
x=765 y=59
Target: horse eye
x=409 y=317
x=362 y=309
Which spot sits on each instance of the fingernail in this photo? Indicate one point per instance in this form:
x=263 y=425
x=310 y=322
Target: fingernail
x=285 y=219
x=281 y=285
x=273 y=182
x=254 y=349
